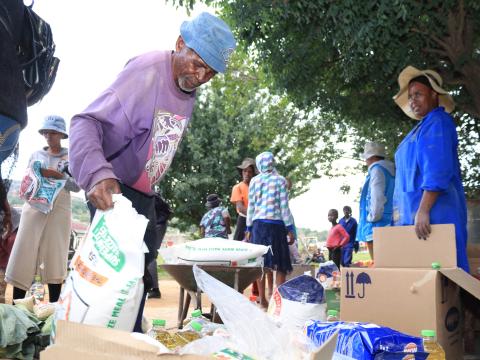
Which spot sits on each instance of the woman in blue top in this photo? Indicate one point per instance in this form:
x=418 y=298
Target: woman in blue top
x=428 y=186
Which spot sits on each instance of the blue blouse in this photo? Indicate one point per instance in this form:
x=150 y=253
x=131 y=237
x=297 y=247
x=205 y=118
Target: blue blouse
x=427 y=159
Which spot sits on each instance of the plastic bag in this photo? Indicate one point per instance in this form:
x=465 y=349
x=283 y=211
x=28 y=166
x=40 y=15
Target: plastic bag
x=329 y=275
x=215 y=251
x=364 y=341
x=298 y=300
x=43 y=311
x=105 y=286
x=40 y=192
x=255 y=334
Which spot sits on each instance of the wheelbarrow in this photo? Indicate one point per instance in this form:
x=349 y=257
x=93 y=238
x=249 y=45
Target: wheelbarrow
x=236 y=277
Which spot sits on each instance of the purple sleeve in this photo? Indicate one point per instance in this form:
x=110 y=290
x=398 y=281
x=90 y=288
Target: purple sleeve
x=94 y=135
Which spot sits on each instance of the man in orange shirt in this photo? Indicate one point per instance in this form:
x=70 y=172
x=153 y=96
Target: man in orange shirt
x=337 y=238
x=239 y=196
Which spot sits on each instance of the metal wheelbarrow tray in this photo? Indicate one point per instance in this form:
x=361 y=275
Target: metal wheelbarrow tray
x=238 y=278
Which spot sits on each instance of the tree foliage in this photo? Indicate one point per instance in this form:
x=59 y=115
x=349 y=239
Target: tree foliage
x=236 y=116
x=343 y=58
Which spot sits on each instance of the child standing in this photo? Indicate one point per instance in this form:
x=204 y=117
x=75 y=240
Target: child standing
x=337 y=238
x=269 y=220
x=216 y=222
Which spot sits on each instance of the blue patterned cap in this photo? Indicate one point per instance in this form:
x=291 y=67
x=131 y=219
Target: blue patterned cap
x=211 y=38
x=265 y=162
x=55 y=123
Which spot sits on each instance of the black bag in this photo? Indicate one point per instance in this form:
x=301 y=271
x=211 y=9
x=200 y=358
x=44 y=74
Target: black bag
x=36 y=56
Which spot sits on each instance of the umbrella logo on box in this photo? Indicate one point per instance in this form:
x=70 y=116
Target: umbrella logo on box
x=362 y=279
x=452 y=319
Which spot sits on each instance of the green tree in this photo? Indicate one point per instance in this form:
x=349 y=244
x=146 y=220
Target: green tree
x=235 y=117
x=343 y=58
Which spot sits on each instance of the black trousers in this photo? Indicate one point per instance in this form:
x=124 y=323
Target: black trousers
x=335 y=254
x=240 y=228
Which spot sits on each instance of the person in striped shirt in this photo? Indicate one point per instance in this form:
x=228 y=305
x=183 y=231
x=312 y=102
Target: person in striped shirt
x=269 y=220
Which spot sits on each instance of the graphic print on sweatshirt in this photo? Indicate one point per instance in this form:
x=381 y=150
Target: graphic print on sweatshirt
x=167 y=132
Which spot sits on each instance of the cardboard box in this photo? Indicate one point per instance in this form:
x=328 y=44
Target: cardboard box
x=75 y=341
x=408 y=298
x=399 y=247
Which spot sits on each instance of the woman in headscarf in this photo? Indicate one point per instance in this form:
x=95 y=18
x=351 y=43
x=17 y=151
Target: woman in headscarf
x=269 y=220
x=216 y=221
x=428 y=185
x=41 y=246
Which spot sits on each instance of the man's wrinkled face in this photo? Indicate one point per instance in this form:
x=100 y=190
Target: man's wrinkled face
x=421 y=99
x=189 y=70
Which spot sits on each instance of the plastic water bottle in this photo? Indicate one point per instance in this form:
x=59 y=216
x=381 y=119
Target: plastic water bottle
x=37 y=290
x=431 y=346
x=332 y=315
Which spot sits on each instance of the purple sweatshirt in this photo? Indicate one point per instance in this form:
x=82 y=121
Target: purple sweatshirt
x=137 y=124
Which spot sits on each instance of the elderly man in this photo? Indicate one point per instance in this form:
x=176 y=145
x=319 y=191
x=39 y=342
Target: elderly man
x=376 y=200
x=125 y=141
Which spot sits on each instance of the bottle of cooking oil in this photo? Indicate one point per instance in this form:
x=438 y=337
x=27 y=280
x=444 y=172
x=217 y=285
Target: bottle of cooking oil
x=194 y=332
x=435 y=351
x=160 y=333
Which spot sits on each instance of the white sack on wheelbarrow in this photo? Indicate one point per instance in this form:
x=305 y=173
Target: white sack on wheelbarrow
x=105 y=284
x=215 y=251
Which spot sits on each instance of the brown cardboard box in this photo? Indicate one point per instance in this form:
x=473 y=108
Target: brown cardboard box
x=406 y=298
x=78 y=341
x=399 y=247
x=409 y=300
x=75 y=341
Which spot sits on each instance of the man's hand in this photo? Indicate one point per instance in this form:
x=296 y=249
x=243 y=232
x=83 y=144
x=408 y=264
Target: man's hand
x=50 y=173
x=422 y=224
x=101 y=194
x=291 y=238
x=247 y=236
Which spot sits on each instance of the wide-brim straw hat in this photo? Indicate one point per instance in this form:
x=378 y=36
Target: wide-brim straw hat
x=435 y=80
